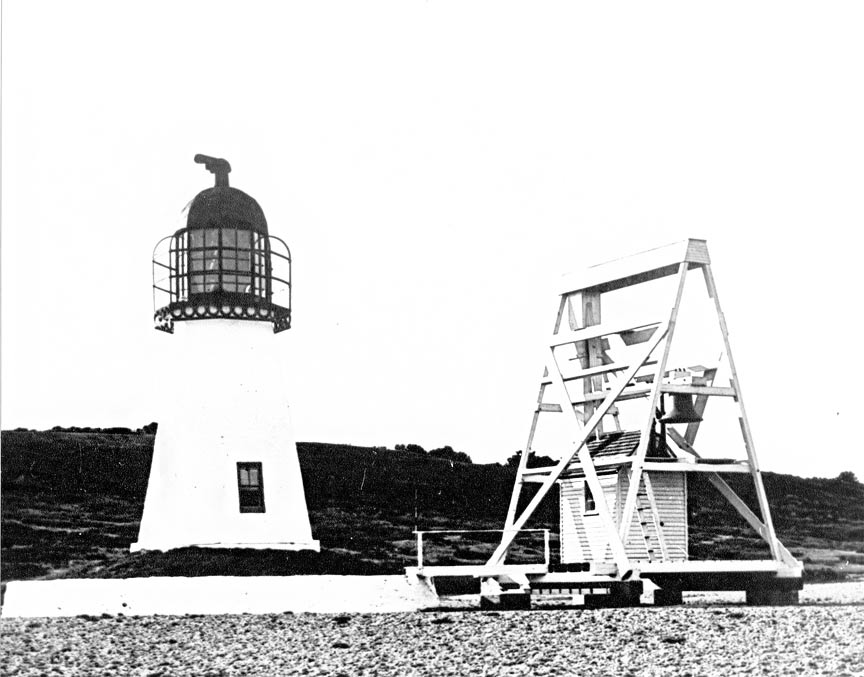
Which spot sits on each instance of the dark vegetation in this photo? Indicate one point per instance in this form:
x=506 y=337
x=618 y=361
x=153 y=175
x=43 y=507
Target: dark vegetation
x=821 y=521
x=71 y=504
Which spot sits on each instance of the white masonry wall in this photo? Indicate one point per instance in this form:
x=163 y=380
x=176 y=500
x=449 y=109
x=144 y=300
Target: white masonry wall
x=223 y=401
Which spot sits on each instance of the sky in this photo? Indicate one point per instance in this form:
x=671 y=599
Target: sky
x=436 y=167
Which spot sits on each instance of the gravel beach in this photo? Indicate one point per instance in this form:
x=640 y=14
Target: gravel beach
x=822 y=636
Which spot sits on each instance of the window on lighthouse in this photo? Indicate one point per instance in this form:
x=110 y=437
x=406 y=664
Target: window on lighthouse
x=250 y=483
x=221 y=259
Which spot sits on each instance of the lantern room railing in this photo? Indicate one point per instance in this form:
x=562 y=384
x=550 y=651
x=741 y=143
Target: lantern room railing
x=229 y=273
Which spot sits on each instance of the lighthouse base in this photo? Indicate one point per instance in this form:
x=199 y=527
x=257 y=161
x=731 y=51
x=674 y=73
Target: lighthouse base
x=225 y=472
x=305 y=545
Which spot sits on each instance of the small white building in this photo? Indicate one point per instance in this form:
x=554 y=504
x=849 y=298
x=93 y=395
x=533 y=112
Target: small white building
x=225 y=471
x=659 y=536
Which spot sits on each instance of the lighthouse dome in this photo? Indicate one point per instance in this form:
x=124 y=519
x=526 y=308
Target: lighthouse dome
x=223 y=206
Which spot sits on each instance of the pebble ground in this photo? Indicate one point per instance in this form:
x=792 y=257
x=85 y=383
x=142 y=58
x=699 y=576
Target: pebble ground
x=822 y=636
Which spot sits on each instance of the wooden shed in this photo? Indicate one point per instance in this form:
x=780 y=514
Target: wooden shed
x=658 y=531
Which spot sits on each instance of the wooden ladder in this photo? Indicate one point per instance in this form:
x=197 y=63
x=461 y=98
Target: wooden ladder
x=646 y=493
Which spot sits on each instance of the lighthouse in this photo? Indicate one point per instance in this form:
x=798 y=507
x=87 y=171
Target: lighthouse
x=225 y=472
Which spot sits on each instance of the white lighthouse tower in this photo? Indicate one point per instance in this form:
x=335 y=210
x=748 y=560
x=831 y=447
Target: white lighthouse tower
x=225 y=472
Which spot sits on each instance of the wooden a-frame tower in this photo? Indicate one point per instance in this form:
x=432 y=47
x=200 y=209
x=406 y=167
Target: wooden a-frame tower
x=623 y=494
x=593 y=391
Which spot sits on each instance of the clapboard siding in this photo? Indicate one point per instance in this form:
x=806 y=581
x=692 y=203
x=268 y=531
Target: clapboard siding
x=670 y=496
x=584 y=539
x=572 y=542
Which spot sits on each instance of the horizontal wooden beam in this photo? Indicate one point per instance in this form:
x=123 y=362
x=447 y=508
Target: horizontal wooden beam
x=595 y=371
x=698 y=390
x=714 y=566
x=574 y=578
x=599 y=464
x=595 y=331
x=537 y=474
x=534 y=479
x=690 y=466
x=629 y=394
x=599 y=370
x=478 y=570
x=642 y=267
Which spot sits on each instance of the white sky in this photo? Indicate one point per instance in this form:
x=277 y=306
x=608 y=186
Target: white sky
x=435 y=167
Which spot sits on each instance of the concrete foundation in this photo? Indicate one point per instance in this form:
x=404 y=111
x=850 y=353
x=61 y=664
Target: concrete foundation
x=216 y=595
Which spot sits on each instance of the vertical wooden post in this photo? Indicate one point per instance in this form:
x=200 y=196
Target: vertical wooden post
x=419 y=549
x=593 y=349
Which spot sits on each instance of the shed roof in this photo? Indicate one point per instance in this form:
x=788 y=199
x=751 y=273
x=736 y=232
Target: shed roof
x=622 y=443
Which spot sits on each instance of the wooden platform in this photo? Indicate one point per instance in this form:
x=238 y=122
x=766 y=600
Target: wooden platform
x=765 y=582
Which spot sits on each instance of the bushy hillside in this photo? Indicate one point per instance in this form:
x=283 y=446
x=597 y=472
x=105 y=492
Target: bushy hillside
x=820 y=520
x=72 y=501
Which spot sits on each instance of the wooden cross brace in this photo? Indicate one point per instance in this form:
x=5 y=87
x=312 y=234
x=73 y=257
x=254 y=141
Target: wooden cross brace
x=580 y=436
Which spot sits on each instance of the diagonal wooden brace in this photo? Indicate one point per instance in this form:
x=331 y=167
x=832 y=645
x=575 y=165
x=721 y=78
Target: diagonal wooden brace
x=729 y=493
x=761 y=496
x=579 y=448
x=656 y=393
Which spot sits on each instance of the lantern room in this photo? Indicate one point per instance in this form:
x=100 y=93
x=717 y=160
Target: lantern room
x=224 y=263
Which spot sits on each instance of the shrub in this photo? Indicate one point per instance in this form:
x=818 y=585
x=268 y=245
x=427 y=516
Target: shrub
x=411 y=448
x=450 y=454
